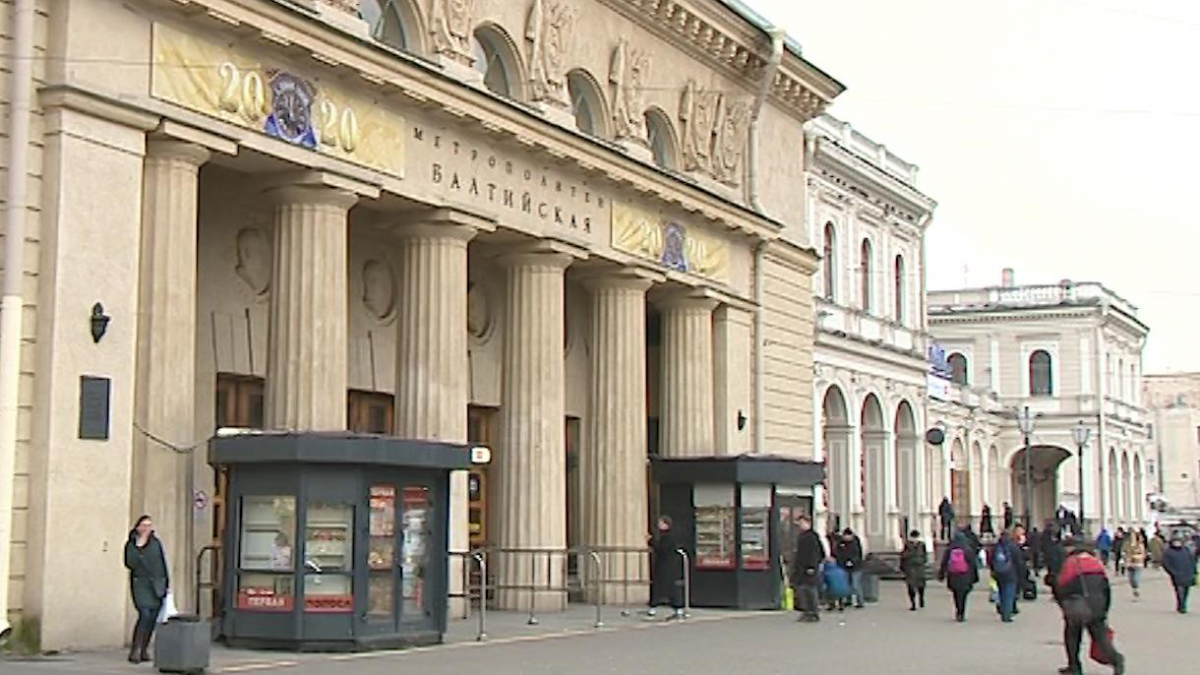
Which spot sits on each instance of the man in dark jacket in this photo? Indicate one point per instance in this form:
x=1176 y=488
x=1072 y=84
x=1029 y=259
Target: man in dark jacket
x=850 y=558
x=946 y=513
x=1008 y=516
x=1180 y=564
x=1008 y=568
x=805 y=572
x=1082 y=591
x=1053 y=553
x=666 y=572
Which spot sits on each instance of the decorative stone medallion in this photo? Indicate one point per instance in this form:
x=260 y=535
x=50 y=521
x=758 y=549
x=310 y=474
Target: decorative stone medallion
x=253 y=260
x=479 y=312
x=379 y=290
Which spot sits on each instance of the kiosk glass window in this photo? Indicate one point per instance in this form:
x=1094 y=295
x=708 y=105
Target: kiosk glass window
x=715 y=518
x=415 y=553
x=756 y=517
x=381 y=556
x=265 y=563
x=328 y=558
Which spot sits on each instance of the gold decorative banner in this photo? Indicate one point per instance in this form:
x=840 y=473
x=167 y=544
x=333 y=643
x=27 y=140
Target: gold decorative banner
x=222 y=81
x=670 y=244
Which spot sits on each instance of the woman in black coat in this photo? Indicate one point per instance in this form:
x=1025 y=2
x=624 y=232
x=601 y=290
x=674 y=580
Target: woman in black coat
x=913 y=561
x=960 y=584
x=666 y=573
x=148 y=584
x=1180 y=565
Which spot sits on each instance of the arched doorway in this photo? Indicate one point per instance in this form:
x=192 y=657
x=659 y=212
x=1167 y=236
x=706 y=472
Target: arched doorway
x=935 y=482
x=960 y=480
x=1044 y=461
x=906 y=467
x=836 y=430
x=978 y=481
x=874 y=471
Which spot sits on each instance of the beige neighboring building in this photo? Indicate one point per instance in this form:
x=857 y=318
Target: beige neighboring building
x=1071 y=352
x=869 y=220
x=1174 y=403
x=542 y=225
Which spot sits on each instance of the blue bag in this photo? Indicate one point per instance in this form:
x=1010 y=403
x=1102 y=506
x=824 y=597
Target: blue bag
x=837 y=581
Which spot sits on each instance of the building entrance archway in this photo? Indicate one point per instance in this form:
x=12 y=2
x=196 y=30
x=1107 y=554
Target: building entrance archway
x=906 y=467
x=835 y=436
x=960 y=481
x=874 y=473
x=1044 y=462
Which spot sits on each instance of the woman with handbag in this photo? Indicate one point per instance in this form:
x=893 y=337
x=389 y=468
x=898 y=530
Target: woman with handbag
x=1082 y=591
x=148 y=584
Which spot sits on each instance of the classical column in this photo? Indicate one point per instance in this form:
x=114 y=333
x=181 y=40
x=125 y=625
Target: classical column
x=306 y=363
x=687 y=379
x=613 y=465
x=530 y=464
x=431 y=350
x=165 y=397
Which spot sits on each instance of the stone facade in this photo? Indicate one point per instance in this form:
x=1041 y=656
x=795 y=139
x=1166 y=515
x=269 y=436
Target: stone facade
x=1071 y=353
x=480 y=243
x=1174 y=403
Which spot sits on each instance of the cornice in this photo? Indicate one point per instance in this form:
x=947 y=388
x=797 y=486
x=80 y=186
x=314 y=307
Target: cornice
x=1007 y=314
x=841 y=197
x=716 y=36
x=418 y=83
x=852 y=167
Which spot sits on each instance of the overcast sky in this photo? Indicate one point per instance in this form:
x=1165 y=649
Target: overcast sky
x=1060 y=137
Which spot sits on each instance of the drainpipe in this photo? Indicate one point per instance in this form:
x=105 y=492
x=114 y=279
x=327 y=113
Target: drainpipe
x=12 y=304
x=1101 y=399
x=760 y=100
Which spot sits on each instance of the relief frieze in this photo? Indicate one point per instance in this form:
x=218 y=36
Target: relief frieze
x=517 y=192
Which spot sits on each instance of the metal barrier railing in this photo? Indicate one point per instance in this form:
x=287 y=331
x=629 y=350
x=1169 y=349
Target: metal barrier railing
x=547 y=573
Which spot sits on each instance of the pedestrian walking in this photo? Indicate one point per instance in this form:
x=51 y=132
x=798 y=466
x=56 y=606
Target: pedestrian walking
x=960 y=571
x=1157 y=547
x=149 y=584
x=985 y=522
x=1118 y=550
x=850 y=558
x=1007 y=566
x=1133 y=556
x=914 y=561
x=1180 y=565
x=1008 y=516
x=1084 y=595
x=1104 y=544
x=666 y=573
x=806 y=568
x=1034 y=552
x=946 y=514
x=1054 y=553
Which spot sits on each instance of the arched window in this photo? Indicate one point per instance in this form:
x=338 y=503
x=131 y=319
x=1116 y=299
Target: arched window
x=662 y=138
x=865 y=274
x=899 y=283
x=586 y=103
x=958 y=369
x=493 y=58
x=830 y=254
x=1041 y=377
x=386 y=22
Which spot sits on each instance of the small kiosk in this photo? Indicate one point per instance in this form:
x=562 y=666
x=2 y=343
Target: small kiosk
x=335 y=541
x=735 y=516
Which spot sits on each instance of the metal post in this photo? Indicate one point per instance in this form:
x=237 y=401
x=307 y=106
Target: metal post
x=687 y=582
x=533 y=620
x=1028 y=485
x=596 y=585
x=1082 y=512
x=481 y=558
x=625 y=583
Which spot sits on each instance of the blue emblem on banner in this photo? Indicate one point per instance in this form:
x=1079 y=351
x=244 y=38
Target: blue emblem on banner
x=674 y=255
x=290 y=118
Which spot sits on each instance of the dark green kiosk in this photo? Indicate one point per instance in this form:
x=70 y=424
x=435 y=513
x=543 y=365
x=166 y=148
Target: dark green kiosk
x=735 y=517
x=335 y=541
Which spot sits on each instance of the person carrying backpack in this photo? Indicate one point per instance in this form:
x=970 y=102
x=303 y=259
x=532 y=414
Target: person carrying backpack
x=1180 y=565
x=960 y=571
x=1007 y=565
x=1084 y=595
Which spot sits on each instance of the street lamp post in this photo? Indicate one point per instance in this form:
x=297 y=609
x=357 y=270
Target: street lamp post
x=1025 y=422
x=1081 y=432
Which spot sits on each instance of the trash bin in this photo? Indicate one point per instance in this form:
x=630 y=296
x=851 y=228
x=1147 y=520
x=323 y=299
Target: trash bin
x=182 y=645
x=870 y=587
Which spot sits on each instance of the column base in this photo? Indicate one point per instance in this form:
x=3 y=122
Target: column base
x=540 y=602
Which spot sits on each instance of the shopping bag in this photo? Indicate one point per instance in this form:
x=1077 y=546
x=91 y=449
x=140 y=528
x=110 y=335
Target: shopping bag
x=789 y=599
x=1099 y=656
x=168 y=609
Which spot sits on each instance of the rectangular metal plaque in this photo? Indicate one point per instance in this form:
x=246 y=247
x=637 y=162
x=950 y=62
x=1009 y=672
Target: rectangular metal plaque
x=94 y=397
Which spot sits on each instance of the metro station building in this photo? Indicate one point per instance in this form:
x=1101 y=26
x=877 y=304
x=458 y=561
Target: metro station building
x=569 y=230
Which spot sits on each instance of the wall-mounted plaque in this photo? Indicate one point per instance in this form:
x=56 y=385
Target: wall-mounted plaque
x=94 y=396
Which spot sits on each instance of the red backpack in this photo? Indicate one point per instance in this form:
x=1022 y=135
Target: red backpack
x=958 y=562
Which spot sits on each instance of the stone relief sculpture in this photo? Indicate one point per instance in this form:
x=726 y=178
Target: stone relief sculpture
x=733 y=125
x=549 y=27
x=379 y=289
x=698 y=113
x=450 y=26
x=715 y=128
x=479 y=313
x=253 y=263
x=629 y=73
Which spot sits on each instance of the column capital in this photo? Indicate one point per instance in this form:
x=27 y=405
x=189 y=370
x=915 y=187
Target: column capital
x=171 y=149
x=631 y=278
x=544 y=253
x=317 y=195
x=440 y=224
x=687 y=300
